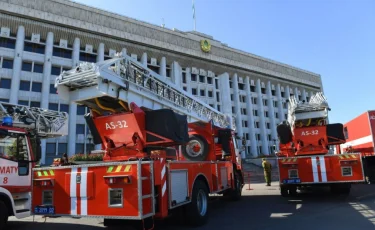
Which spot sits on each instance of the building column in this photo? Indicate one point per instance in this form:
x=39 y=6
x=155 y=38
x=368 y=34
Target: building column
x=177 y=74
x=271 y=113
x=249 y=108
x=188 y=79
x=280 y=103
x=163 y=67
x=17 y=65
x=144 y=59
x=237 y=110
x=100 y=56
x=296 y=94
x=304 y=95
x=73 y=106
x=124 y=52
x=46 y=86
x=225 y=95
x=262 y=122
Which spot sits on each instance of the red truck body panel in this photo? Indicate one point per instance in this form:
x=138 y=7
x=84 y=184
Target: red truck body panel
x=360 y=134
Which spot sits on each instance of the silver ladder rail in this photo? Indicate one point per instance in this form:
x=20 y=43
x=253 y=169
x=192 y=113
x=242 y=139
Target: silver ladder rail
x=128 y=80
x=46 y=123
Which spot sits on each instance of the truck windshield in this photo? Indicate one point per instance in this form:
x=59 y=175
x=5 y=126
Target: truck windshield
x=13 y=147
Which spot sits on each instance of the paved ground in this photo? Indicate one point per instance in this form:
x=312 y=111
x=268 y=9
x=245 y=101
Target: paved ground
x=261 y=208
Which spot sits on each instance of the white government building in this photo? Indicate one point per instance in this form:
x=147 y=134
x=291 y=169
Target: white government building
x=39 y=39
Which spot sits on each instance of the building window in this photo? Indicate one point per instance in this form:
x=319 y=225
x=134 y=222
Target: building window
x=64 y=108
x=63 y=148
x=241 y=86
x=81 y=110
x=60 y=52
x=255 y=112
x=86 y=57
x=184 y=88
x=203 y=92
x=282 y=94
x=80 y=148
x=210 y=94
x=273 y=92
x=217 y=97
x=257 y=124
x=217 y=83
x=266 y=113
x=276 y=115
x=53 y=106
x=7 y=43
x=52 y=89
x=258 y=136
x=265 y=102
x=51 y=149
x=194 y=91
x=80 y=129
x=21 y=102
x=35 y=104
x=218 y=108
x=36 y=87
x=252 y=88
x=33 y=47
x=25 y=85
x=183 y=77
x=209 y=80
x=268 y=125
x=38 y=68
x=263 y=90
x=254 y=100
x=27 y=66
x=202 y=79
x=193 y=77
x=7 y=64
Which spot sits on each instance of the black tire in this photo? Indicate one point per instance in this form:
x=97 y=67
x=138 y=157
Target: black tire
x=284 y=191
x=188 y=152
x=195 y=215
x=236 y=193
x=293 y=191
x=4 y=213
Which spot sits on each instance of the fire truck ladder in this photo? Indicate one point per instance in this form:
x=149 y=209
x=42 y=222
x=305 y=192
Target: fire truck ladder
x=112 y=84
x=316 y=107
x=45 y=123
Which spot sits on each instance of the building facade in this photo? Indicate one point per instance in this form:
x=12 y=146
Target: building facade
x=40 y=39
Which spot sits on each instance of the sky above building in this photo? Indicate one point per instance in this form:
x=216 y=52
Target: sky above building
x=334 y=38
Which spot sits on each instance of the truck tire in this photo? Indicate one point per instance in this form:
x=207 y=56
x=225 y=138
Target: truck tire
x=197 y=211
x=3 y=215
x=196 y=149
x=236 y=193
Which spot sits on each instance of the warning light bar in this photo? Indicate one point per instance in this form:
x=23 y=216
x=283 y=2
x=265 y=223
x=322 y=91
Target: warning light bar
x=43 y=182
x=120 y=179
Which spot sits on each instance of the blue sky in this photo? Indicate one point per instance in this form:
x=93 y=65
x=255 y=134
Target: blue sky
x=334 y=38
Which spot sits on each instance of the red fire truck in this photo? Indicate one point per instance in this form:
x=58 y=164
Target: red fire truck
x=21 y=129
x=168 y=154
x=360 y=138
x=305 y=158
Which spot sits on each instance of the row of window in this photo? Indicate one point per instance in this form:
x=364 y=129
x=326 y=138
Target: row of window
x=61 y=148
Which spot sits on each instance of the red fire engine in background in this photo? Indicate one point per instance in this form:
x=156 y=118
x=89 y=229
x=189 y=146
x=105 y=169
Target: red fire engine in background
x=360 y=138
x=21 y=131
x=305 y=157
x=168 y=154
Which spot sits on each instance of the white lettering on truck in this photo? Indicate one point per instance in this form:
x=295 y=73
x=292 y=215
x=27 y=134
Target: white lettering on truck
x=307 y=133
x=114 y=125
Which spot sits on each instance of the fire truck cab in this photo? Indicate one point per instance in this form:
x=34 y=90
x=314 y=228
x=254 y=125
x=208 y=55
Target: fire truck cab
x=20 y=132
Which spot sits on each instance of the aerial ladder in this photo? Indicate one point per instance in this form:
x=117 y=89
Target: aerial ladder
x=305 y=158
x=21 y=129
x=167 y=154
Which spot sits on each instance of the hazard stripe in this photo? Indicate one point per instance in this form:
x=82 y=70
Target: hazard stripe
x=45 y=173
x=119 y=168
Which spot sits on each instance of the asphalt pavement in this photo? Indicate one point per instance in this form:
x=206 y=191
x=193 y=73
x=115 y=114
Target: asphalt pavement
x=261 y=208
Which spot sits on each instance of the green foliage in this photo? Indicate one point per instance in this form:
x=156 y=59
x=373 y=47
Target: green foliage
x=87 y=157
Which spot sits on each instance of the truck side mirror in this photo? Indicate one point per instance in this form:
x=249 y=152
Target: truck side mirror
x=23 y=168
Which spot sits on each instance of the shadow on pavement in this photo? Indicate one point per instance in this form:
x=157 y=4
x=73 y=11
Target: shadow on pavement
x=317 y=209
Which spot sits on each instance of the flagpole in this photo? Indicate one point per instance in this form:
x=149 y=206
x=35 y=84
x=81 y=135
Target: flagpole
x=194 y=19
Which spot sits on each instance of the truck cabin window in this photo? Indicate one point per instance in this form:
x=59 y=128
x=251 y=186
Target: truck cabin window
x=13 y=146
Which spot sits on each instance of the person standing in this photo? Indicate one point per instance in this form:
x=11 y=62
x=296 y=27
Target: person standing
x=267 y=168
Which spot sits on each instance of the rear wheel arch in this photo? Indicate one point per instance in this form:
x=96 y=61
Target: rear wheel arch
x=202 y=178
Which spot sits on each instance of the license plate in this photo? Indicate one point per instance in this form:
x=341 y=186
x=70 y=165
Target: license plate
x=44 y=210
x=292 y=181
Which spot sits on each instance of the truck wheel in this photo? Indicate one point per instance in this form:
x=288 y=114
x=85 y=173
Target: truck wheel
x=284 y=191
x=3 y=215
x=196 y=149
x=197 y=211
x=235 y=193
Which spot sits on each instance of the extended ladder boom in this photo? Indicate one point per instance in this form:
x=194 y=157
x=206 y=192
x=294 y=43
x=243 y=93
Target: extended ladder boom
x=316 y=107
x=101 y=86
x=45 y=123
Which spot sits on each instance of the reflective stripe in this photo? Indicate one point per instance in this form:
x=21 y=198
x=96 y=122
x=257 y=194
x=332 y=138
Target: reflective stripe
x=323 y=170
x=83 y=190
x=73 y=192
x=314 y=169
